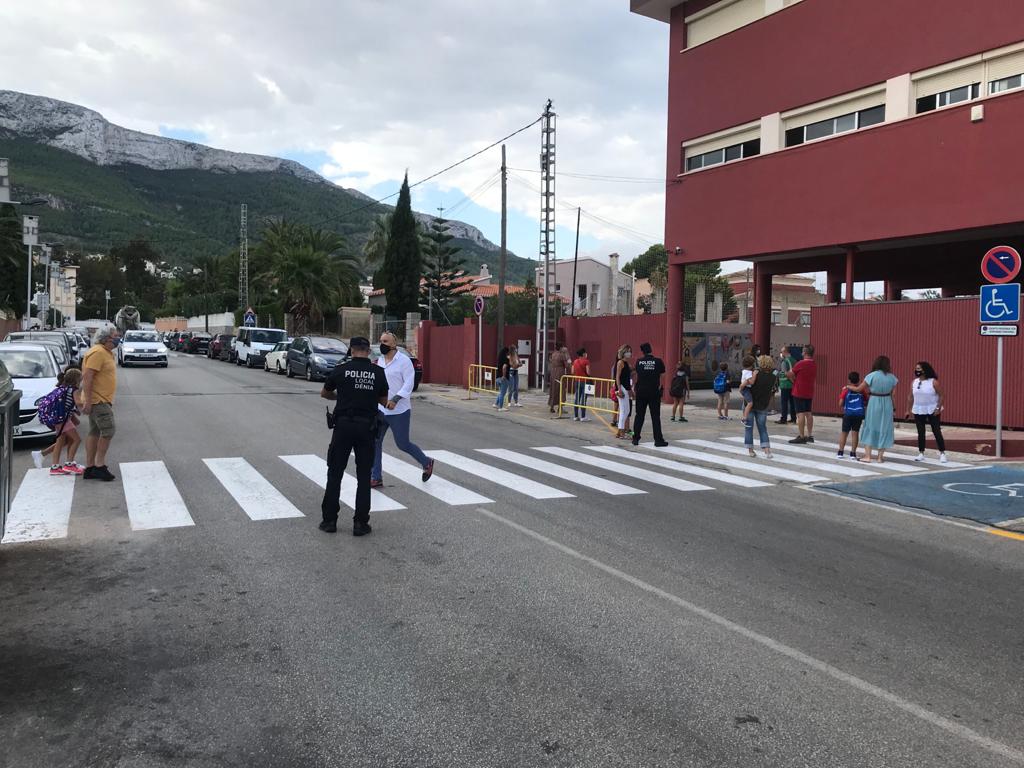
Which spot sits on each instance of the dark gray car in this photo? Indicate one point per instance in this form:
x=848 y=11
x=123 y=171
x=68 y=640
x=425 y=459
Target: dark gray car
x=315 y=356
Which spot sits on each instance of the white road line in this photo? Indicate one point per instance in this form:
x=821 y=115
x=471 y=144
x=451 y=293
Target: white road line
x=511 y=481
x=678 y=466
x=564 y=473
x=438 y=487
x=152 y=497
x=255 y=495
x=890 y=454
x=826 y=455
x=821 y=466
x=41 y=509
x=766 y=467
x=315 y=468
x=635 y=472
x=791 y=653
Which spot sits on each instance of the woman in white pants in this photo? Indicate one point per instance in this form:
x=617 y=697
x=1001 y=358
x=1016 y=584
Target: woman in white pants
x=624 y=384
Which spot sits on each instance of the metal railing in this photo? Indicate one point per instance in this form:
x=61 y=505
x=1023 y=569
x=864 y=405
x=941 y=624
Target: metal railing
x=587 y=393
x=483 y=378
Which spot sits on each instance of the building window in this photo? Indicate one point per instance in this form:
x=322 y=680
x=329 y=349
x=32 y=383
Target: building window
x=1006 y=84
x=776 y=317
x=947 y=98
x=805 y=318
x=835 y=125
x=726 y=155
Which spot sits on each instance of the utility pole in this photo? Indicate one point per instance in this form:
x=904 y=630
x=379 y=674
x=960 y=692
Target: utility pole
x=575 y=257
x=504 y=250
x=545 y=332
x=243 y=260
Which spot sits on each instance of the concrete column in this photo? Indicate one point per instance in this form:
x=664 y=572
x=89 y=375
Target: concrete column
x=717 y=309
x=771 y=133
x=762 y=305
x=675 y=292
x=898 y=98
x=833 y=290
x=700 y=302
x=851 y=256
x=892 y=291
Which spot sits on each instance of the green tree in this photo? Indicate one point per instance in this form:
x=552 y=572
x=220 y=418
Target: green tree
x=399 y=275
x=143 y=288
x=376 y=246
x=645 y=264
x=98 y=274
x=443 y=275
x=710 y=276
x=13 y=260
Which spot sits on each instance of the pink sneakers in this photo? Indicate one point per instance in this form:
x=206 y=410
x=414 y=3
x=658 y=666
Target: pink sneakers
x=73 y=468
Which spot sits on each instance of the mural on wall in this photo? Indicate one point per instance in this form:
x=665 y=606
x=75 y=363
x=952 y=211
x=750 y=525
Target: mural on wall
x=705 y=351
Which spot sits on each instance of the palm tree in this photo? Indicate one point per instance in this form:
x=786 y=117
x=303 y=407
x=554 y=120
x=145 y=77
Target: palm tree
x=377 y=244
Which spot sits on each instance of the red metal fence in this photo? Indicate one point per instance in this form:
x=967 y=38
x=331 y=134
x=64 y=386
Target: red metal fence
x=944 y=332
x=446 y=352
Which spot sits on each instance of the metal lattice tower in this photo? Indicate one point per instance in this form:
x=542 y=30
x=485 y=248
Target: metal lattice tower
x=243 y=260
x=547 y=321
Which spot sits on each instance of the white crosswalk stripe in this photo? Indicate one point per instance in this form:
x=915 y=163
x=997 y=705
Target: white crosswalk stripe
x=438 y=487
x=41 y=508
x=514 y=482
x=315 y=468
x=593 y=482
x=890 y=454
x=255 y=495
x=821 y=466
x=152 y=497
x=766 y=467
x=678 y=466
x=634 y=472
x=827 y=455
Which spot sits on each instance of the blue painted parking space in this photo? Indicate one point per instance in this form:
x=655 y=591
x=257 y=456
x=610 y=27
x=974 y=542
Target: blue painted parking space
x=991 y=495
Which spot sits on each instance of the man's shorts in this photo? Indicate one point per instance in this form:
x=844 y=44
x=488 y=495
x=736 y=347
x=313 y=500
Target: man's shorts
x=802 y=404
x=852 y=423
x=101 y=421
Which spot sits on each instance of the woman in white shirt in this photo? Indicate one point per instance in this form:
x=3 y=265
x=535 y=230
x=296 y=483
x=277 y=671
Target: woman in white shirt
x=397 y=414
x=925 y=402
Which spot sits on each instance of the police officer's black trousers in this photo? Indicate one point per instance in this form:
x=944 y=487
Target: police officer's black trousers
x=349 y=435
x=645 y=403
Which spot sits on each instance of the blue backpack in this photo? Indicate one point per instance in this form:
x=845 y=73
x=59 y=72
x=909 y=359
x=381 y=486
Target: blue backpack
x=52 y=408
x=721 y=385
x=853 y=405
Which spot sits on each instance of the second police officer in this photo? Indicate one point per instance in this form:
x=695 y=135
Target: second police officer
x=359 y=387
x=649 y=370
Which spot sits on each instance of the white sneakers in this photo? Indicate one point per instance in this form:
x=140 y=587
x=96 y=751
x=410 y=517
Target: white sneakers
x=942 y=458
x=919 y=457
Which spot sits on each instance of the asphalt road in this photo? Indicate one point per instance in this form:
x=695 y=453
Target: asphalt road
x=768 y=626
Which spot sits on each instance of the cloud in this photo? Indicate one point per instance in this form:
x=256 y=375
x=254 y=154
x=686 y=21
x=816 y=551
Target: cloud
x=378 y=88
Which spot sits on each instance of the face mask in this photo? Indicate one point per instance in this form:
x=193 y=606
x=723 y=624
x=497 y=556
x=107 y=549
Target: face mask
x=384 y=349
x=627 y=355
x=115 y=342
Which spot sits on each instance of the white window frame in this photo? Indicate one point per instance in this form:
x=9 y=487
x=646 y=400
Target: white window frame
x=992 y=84
x=835 y=125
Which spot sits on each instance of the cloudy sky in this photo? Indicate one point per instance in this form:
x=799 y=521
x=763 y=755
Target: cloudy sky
x=361 y=90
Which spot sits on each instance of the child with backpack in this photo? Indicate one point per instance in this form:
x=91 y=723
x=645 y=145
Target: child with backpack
x=58 y=410
x=746 y=379
x=679 y=389
x=722 y=388
x=853 y=405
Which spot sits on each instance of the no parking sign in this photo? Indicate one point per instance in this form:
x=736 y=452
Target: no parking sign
x=1001 y=264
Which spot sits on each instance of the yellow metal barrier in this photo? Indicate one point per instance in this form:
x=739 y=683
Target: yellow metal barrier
x=483 y=378
x=587 y=393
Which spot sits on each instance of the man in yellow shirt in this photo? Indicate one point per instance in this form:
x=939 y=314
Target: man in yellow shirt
x=99 y=383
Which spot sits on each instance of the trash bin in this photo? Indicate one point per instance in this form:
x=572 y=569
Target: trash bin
x=9 y=399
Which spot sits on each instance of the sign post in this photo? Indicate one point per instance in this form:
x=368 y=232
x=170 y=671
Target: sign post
x=1000 y=303
x=478 y=307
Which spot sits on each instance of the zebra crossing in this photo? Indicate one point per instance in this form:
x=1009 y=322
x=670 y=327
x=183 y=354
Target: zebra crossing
x=43 y=505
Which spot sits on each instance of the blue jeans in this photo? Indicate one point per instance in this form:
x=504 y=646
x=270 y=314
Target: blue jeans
x=761 y=419
x=513 y=392
x=788 y=406
x=578 y=410
x=502 y=392
x=399 y=424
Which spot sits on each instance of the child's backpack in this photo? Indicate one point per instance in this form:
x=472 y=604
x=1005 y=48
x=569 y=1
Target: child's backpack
x=721 y=385
x=678 y=386
x=52 y=409
x=854 y=404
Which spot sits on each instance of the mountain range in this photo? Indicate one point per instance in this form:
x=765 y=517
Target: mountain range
x=107 y=185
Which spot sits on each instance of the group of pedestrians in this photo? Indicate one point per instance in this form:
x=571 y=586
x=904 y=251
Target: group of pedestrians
x=508 y=367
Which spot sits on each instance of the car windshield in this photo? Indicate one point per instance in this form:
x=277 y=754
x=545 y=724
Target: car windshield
x=267 y=337
x=28 y=363
x=328 y=346
x=141 y=336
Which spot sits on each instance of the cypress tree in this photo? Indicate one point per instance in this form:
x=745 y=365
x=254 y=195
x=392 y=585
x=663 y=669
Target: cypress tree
x=399 y=275
x=442 y=271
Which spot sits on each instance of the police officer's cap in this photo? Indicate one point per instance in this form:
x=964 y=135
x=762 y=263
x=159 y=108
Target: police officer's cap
x=359 y=342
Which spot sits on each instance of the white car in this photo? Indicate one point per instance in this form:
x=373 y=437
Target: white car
x=33 y=370
x=277 y=358
x=142 y=348
x=253 y=344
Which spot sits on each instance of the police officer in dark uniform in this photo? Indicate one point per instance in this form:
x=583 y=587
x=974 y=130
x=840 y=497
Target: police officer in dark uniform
x=649 y=370
x=359 y=386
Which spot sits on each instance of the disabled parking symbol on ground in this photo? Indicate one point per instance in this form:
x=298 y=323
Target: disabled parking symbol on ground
x=1013 y=490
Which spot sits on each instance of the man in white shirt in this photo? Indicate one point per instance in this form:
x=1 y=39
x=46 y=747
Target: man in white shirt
x=397 y=413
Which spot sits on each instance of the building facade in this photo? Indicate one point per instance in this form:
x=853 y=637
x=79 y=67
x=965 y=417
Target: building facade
x=873 y=140
x=792 y=297
x=595 y=288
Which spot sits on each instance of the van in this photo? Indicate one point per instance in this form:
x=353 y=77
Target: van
x=253 y=344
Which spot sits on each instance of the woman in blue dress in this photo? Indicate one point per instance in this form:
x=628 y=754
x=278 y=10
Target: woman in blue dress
x=877 y=431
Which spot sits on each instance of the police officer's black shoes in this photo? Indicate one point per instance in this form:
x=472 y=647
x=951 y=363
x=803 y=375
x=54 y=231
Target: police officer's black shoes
x=661 y=444
x=361 y=529
x=329 y=526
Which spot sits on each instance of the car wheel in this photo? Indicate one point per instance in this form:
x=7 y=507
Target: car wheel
x=280 y=370
x=309 y=373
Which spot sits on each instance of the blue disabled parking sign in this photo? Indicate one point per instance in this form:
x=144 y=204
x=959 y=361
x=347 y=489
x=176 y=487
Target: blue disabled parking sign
x=1000 y=303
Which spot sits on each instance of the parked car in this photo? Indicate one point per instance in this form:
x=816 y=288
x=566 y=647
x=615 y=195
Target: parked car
x=253 y=344
x=198 y=342
x=315 y=356
x=33 y=370
x=60 y=337
x=417 y=366
x=277 y=358
x=60 y=352
x=216 y=343
x=227 y=350
x=142 y=347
